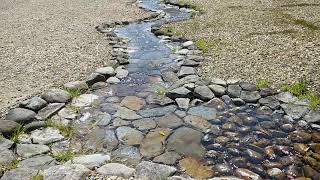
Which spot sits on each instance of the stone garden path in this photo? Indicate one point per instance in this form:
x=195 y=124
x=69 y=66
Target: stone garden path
x=152 y=117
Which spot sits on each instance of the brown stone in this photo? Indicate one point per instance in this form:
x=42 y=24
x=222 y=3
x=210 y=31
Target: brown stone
x=133 y=102
x=315 y=137
x=197 y=122
x=300 y=148
x=195 y=168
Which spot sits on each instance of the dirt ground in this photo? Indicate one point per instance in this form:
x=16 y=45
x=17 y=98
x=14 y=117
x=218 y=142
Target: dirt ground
x=274 y=40
x=45 y=43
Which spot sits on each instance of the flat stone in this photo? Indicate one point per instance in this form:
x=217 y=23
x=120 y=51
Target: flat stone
x=238 y=101
x=154 y=143
x=195 y=168
x=110 y=140
x=29 y=150
x=185 y=71
x=203 y=93
x=66 y=172
x=116 y=169
x=198 y=122
x=128 y=154
x=311 y=117
x=300 y=136
x=169 y=121
x=19 y=173
x=250 y=96
x=8 y=127
x=35 y=103
x=169 y=76
x=46 y=136
x=218 y=90
x=129 y=136
x=180 y=92
x=122 y=73
x=99 y=86
x=187 y=44
x=156 y=112
x=106 y=71
x=183 y=103
x=159 y=100
x=295 y=111
x=5 y=143
x=204 y=112
x=154 y=171
x=190 y=63
x=94 y=78
x=127 y=114
x=286 y=97
x=117 y=122
x=185 y=80
x=39 y=162
x=270 y=101
x=68 y=113
x=76 y=85
x=219 y=82
x=21 y=115
x=169 y=158
x=246 y=174
x=6 y=156
x=59 y=147
x=49 y=111
x=133 y=102
x=84 y=100
x=248 y=86
x=233 y=81
x=56 y=96
x=100 y=118
x=183 y=52
x=113 y=80
x=92 y=160
x=234 y=91
x=144 y=124
x=186 y=137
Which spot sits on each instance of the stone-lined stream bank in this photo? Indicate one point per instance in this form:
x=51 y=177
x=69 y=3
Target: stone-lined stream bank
x=150 y=116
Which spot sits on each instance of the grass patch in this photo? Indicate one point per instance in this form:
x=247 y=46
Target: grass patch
x=74 y=92
x=72 y=108
x=39 y=176
x=262 y=83
x=65 y=130
x=161 y=91
x=13 y=164
x=205 y=44
x=64 y=156
x=15 y=135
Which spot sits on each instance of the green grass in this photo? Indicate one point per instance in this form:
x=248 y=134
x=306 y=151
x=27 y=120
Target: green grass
x=15 y=135
x=64 y=156
x=39 y=176
x=161 y=90
x=65 y=130
x=205 y=44
x=13 y=164
x=262 y=83
x=74 y=92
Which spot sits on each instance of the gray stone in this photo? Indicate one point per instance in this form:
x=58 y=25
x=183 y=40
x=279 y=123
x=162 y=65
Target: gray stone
x=233 y=81
x=180 y=92
x=113 y=80
x=187 y=44
x=185 y=71
x=157 y=112
x=110 y=140
x=35 y=103
x=286 y=97
x=133 y=102
x=46 y=136
x=5 y=143
x=225 y=178
x=246 y=174
x=84 y=100
x=250 y=96
x=19 y=174
x=185 y=80
x=66 y=172
x=56 y=96
x=49 y=110
x=295 y=111
x=116 y=169
x=218 y=90
x=8 y=127
x=169 y=121
x=238 y=101
x=198 y=122
x=122 y=73
x=94 y=78
x=169 y=158
x=59 y=147
x=128 y=154
x=34 y=125
x=92 y=160
x=68 y=113
x=154 y=171
x=117 y=122
x=190 y=86
x=125 y=113
x=248 y=86
x=6 y=156
x=29 y=150
x=219 y=82
x=190 y=63
x=183 y=103
x=39 y=162
x=159 y=100
x=234 y=91
x=270 y=101
x=76 y=85
x=311 y=117
x=144 y=124
x=154 y=143
x=180 y=113
x=129 y=136
x=106 y=71
x=21 y=115
x=202 y=111
x=183 y=52
x=169 y=76
x=203 y=93
x=99 y=85
x=186 y=137
x=101 y=118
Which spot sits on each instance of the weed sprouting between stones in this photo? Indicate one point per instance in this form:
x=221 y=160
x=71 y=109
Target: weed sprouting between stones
x=15 y=135
x=66 y=130
x=8 y=166
x=262 y=83
x=74 y=92
x=64 y=156
x=38 y=176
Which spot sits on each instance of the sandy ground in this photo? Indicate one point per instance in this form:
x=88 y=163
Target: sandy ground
x=45 y=43
x=276 y=40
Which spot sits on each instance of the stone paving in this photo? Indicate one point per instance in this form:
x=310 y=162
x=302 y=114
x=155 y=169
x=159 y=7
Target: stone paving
x=161 y=122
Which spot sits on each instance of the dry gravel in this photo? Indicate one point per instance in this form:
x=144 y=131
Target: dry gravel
x=259 y=39
x=45 y=43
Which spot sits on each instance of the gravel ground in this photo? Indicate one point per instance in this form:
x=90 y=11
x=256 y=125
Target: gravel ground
x=45 y=43
x=276 y=40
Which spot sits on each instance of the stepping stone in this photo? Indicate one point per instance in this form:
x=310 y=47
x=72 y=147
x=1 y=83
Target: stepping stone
x=198 y=122
x=8 y=127
x=246 y=174
x=92 y=160
x=59 y=147
x=20 y=115
x=154 y=171
x=116 y=169
x=56 y=96
x=66 y=172
x=128 y=154
x=49 y=110
x=157 y=112
x=127 y=114
x=35 y=103
x=169 y=121
x=68 y=113
x=19 y=173
x=133 y=102
x=84 y=100
x=169 y=158
x=29 y=150
x=100 y=118
x=203 y=93
x=6 y=156
x=187 y=44
x=180 y=92
x=129 y=136
x=204 y=112
x=46 y=136
x=183 y=103
x=39 y=162
x=159 y=100
x=154 y=143
x=190 y=63
x=144 y=124
x=169 y=76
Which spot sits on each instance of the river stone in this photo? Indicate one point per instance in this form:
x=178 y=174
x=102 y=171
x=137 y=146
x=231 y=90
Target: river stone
x=182 y=52
x=154 y=143
x=133 y=102
x=225 y=178
x=68 y=113
x=185 y=71
x=186 y=137
x=116 y=169
x=169 y=121
x=128 y=154
x=39 y=162
x=234 y=91
x=110 y=140
x=196 y=168
x=233 y=81
x=218 y=90
x=56 y=96
x=117 y=122
x=203 y=93
x=21 y=115
x=129 y=136
x=6 y=156
x=113 y=80
x=248 y=86
x=29 y=150
x=185 y=80
x=311 y=117
x=219 y=82
x=157 y=112
x=106 y=71
x=223 y=169
x=59 y=147
x=253 y=156
x=247 y=174
x=154 y=171
x=35 y=103
x=183 y=103
x=8 y=127
x=127 y=114
x=198 y=122
x=250 y=96
x=169 y=76
x=169 y=158
x=190 y=63
x=286 y=97
x=159 y=100
x=19 y=174
x=295 y=111
x=300 y=136
x=204 y=112
x=180 y=92
x=187 y=44
x=46 y=136
x=144 y=124
x=270 y=101
x=92 y=160
x=76 y=85
x=101 y=118
x=94 y=78
x=5 y=143
x=84 y=100
x=311 y=173
x=49 y=110
x=66 y=172
x=122 y=73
